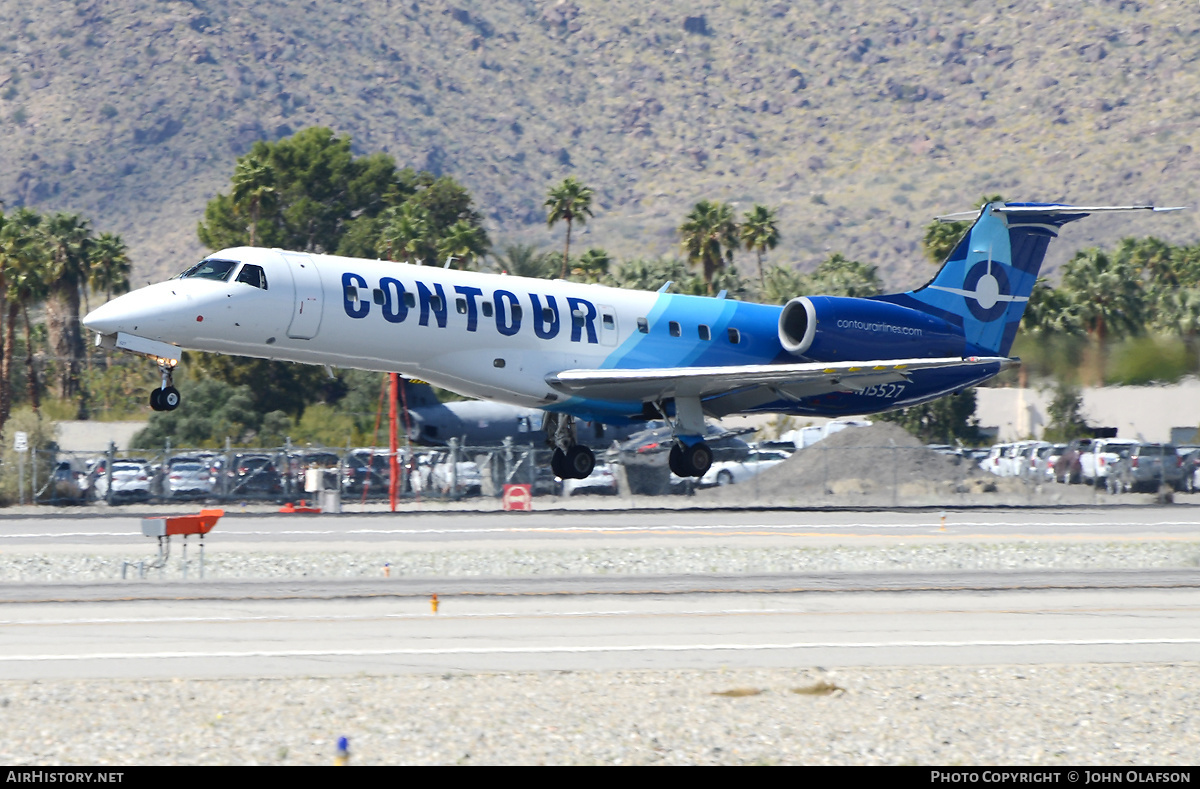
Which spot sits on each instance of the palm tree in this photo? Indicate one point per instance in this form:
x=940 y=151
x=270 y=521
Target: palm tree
x=110 y=266
x=28 y=284
x=462 y=241
x=525 y=260
x=570 y=201
x=838 y=276
x=16 y=244
x=709 y=237
x=643 y=274
x=253 y=189
x=782 y=285
x=1105 y=296
x=69 y=239
x=942 y=237
x=760 y=233
x=405 y=232
x=592 y=266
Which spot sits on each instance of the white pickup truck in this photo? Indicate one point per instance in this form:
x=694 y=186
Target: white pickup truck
x=1094 y=465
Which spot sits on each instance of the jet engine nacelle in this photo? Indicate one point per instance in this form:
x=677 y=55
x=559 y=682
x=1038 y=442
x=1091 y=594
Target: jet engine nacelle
x=834 y=328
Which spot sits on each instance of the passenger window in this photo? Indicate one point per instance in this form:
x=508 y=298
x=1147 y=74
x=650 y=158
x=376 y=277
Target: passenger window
x=675 y=330
x=253 y=275
x=643 y=326
x=735 y=336
x=609 y=321
x=377 y=295
x=461 y=306
x=704 y=333
x=410 y=299
x=435 y=304
x=351 y=293
x=487 y=309
x=516 y=312
x=547 y=315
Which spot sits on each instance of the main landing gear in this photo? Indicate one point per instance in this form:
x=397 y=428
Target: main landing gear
x=570 y=460
x=690 y=456
x=690 y=461
x=165 y=397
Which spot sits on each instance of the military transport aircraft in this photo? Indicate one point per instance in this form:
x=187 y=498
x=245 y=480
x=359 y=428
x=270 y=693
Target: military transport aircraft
x=580 y=351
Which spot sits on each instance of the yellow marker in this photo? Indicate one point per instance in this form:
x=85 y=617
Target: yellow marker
x=433 y=603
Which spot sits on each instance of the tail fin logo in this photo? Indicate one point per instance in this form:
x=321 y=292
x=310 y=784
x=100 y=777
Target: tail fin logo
x=986 y=290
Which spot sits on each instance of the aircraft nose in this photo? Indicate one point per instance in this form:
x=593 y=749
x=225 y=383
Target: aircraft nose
x=105 y=319
x=135 y=312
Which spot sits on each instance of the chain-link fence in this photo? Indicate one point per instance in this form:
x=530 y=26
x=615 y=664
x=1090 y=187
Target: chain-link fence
x=819 y=476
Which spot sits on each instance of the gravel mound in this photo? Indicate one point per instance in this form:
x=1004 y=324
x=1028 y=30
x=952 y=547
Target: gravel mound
x=880 y=454
x=879 y=465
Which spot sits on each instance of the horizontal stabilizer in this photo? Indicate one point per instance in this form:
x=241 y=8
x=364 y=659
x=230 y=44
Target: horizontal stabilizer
x=1018 y=208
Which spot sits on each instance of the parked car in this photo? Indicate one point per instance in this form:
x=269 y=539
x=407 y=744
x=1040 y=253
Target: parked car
x=1144 y=467
x=1047 y=459
x=1094 y=465
x=254 y=476
x=998 y=460
x=1025 y=459
x=1191 y=468
x=68 y=485
x=601 y=481
x=189 y=480
x=130 y=482
x=366 y=467
x=727 y=472
x=461 y=479
x=1068 y=468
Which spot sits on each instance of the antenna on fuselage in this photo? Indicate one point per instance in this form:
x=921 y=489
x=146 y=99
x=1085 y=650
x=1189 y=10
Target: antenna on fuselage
x=449 y=260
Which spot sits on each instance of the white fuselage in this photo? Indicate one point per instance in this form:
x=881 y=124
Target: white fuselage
x=456 y=329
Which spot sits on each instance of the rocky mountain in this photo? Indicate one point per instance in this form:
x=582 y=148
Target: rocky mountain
x=858 y=119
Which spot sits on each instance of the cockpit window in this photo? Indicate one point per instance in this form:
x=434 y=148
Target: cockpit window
x=253 y=275
x=210 y=269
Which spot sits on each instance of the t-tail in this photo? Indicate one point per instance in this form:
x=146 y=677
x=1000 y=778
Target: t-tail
x=986 y=282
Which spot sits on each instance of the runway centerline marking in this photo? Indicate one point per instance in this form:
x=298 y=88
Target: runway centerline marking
x=416 y=652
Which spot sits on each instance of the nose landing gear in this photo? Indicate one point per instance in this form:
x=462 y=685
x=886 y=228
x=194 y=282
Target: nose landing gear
x=165 y=397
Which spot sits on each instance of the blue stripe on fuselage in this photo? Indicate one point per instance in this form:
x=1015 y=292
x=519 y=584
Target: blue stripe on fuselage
x=757 y=326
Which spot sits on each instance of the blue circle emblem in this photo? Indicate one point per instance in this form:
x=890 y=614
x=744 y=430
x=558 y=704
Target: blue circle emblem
x=987 y=286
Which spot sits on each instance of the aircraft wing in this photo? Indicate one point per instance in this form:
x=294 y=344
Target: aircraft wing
x=772 y=381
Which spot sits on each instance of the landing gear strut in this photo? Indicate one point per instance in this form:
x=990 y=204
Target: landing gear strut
x=570 y=460
x=165 y=397
x=687 y=459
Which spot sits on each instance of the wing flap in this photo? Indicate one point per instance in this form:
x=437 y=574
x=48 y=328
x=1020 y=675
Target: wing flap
x=796 y=380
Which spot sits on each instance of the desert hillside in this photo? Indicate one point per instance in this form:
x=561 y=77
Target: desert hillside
x=859 y=120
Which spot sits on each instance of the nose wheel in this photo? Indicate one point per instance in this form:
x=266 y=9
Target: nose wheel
x=165 y=397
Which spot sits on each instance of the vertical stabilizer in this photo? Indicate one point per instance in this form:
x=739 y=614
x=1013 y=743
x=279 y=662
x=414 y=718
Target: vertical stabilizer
x=986 y=282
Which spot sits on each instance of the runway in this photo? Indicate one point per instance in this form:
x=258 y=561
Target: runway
x=299 y=627
x=253 y=638
x=1116 y=522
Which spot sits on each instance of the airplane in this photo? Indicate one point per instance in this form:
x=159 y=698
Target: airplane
x=590 y=352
